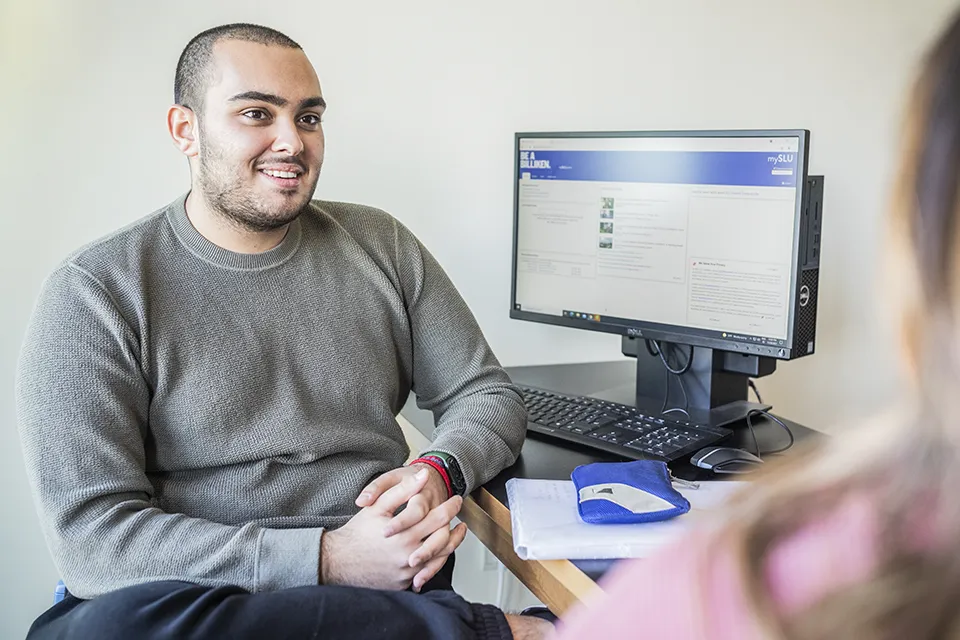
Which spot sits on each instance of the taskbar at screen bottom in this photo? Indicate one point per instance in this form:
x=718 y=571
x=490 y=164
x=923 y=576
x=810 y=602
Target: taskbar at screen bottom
x=771 y=346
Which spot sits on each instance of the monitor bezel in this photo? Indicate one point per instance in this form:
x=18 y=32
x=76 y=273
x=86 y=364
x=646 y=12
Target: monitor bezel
x=657 y=331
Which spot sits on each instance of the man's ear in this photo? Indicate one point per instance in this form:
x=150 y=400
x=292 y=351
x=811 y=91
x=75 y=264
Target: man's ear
x=182 y=125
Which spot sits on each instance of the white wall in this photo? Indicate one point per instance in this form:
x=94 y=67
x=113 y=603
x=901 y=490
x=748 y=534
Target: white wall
x=424 y=98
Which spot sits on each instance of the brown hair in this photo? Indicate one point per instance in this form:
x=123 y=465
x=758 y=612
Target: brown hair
x=908 y=465
x=194 y=72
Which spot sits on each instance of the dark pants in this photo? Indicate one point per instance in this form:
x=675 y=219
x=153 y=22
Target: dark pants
x=182 y=610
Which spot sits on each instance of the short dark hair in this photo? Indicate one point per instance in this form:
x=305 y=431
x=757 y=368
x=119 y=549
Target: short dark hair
x=193 y=68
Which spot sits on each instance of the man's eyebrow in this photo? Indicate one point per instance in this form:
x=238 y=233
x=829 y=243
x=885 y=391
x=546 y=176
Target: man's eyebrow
x=312 y=103
x=259 y=96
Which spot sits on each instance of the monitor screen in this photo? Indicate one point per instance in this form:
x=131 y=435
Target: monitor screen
x=689 y=237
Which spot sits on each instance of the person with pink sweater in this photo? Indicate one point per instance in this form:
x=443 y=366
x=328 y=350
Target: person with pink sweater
x=858 y=537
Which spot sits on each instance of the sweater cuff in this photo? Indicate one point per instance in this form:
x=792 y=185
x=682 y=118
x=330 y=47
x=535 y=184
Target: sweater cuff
x=489 y=623
x=444 y=443
x=287 y=558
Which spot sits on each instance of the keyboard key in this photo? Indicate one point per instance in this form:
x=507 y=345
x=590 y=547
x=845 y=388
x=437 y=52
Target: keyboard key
x=602 y=421
x=614 y=435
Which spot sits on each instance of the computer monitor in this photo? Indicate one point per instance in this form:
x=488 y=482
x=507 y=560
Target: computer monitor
x=708 y=239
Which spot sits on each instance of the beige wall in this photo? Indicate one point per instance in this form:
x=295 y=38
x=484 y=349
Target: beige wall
x=424 y=98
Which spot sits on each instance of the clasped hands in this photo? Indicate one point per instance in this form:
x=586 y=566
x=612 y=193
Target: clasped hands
x=382 y=549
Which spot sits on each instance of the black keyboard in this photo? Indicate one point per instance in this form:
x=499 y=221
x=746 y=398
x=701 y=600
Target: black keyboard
x=615 y=428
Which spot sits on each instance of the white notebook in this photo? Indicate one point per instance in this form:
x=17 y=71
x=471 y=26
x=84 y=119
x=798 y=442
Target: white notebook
x=546 y=525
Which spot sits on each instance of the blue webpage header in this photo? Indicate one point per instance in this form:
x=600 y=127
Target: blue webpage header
x=734 y=168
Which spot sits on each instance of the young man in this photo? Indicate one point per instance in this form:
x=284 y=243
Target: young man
x=207 y=397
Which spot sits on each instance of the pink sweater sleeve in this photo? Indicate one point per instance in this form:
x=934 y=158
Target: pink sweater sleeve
x=694 y=590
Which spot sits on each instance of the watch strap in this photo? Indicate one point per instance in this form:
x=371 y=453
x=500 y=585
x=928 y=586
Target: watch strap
x=457 y=481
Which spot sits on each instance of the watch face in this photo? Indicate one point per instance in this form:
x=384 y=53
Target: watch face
x=453 y=470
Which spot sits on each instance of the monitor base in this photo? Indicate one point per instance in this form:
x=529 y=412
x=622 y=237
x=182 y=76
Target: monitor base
x=715 y=384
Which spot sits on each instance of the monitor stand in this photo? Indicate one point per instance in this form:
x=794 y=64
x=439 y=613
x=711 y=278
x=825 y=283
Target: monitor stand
x=716 y=384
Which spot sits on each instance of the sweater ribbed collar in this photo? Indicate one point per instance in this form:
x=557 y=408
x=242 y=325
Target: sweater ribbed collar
x=215 y=254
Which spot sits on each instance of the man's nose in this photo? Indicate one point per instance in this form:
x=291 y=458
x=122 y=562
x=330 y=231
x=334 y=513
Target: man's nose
x=288 y=138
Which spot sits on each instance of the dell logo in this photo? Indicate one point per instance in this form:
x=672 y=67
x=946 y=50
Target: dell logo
x=804 y=295
x=634 y=332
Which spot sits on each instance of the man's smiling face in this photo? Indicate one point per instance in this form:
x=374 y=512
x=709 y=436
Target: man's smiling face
x=260 y=138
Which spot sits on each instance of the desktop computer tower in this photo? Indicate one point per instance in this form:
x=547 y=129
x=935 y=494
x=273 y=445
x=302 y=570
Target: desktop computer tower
x=805 y=324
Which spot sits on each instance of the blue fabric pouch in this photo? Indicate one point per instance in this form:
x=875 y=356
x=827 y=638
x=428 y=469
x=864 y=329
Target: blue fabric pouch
x=627 y=492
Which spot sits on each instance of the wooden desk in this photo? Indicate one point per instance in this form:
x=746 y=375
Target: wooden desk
x=558 y=583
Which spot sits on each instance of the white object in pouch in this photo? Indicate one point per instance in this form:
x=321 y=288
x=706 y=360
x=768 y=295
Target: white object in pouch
x=630 y=498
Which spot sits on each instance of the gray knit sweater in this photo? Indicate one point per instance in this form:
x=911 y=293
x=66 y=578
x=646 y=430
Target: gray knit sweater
x=191 y=413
